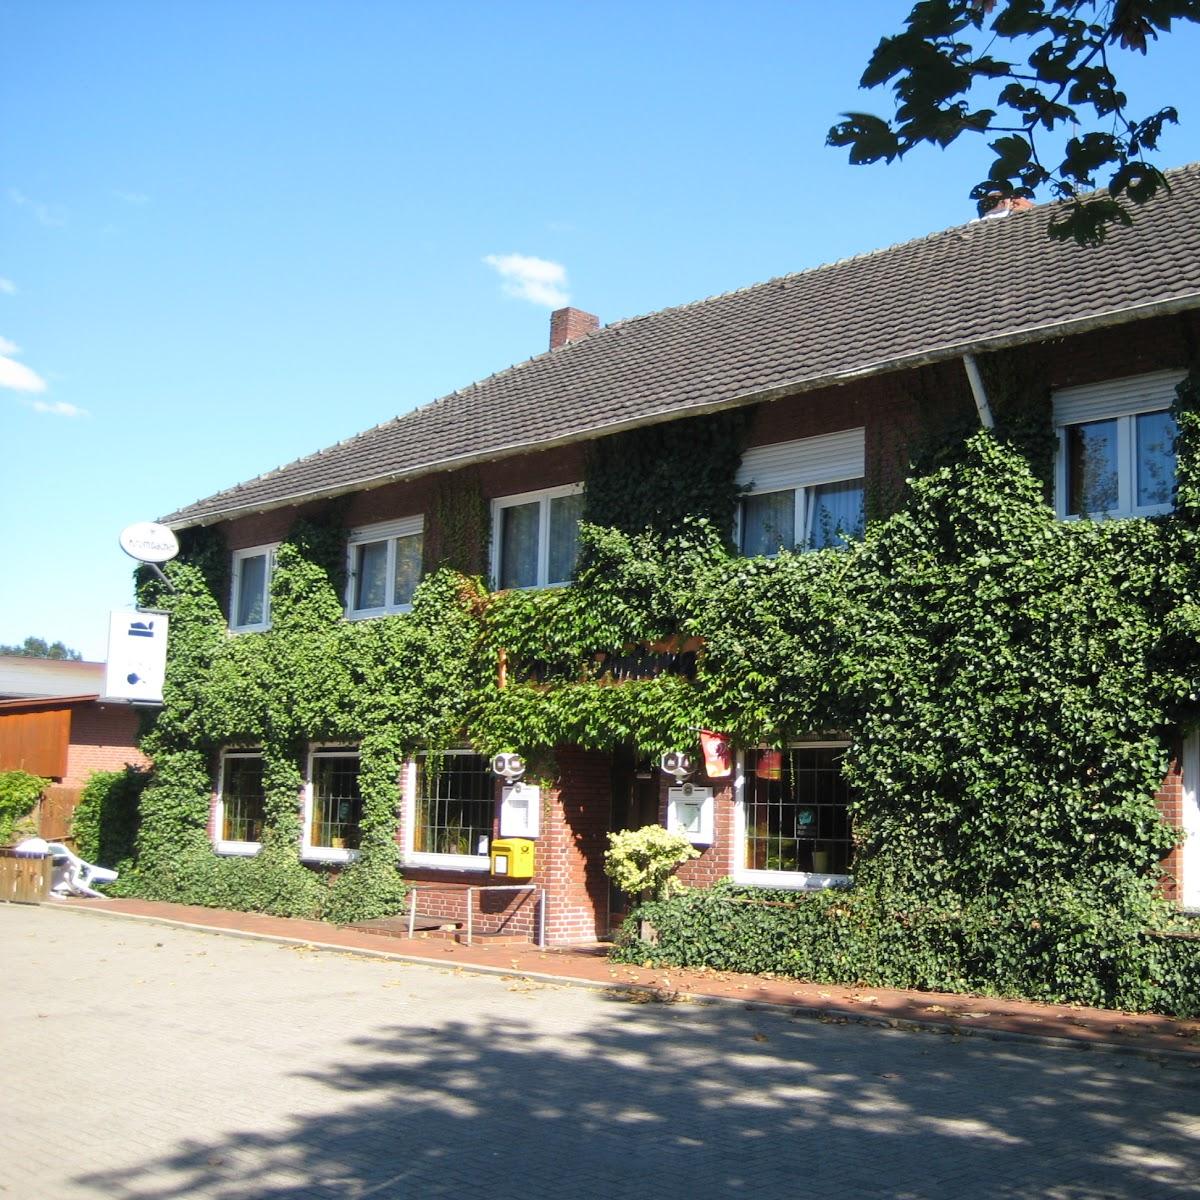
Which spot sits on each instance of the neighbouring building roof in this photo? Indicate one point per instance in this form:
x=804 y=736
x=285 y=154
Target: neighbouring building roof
x=28 y=678
x=976 y=287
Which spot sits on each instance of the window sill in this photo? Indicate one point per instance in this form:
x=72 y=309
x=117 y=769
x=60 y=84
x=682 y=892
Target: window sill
x=795 y=881
x=238 y=849
x=371 y=614
x=327 y=854
x=249 y=628
x=1157 y=510
x=449 y=862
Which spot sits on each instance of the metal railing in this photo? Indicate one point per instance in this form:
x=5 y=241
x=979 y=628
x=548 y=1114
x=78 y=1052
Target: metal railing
x=540 y=893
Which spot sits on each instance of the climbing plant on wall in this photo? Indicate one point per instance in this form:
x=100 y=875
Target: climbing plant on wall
x=1007 y=680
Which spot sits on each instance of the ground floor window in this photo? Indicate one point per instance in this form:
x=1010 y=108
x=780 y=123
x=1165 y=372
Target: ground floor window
x=795 y=818
x=333 y=805
x=240 y=802
x=450 y=810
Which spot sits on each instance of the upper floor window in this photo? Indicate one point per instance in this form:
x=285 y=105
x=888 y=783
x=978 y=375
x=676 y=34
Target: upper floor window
x=239 y=816
x=250 y=600
x=332 y=806
x=803 y=495
x=384 y=567
x=1116 y=447
x=535 y=537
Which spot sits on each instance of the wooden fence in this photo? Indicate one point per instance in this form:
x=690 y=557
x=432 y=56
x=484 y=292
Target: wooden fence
x=55 y=811
x=24 y=879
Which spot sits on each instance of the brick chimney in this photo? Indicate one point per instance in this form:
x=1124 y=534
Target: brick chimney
x=569 y=325
x=996 y=205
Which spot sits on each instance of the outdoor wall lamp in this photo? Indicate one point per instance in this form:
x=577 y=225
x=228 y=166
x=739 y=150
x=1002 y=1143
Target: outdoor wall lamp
x=510 y=767
x=677 y=763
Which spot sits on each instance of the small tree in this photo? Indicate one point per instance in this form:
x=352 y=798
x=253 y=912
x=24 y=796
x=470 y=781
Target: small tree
x=35 y=647
x=644 y=860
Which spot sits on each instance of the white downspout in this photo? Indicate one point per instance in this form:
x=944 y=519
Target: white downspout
x=979 y=392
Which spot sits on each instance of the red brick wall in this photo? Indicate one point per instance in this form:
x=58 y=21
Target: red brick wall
x=715 y=861
x=103 y=738
x=1170 y=803
x=576 y=818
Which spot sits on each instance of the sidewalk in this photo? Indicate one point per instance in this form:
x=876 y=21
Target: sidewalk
x=1062 y=1025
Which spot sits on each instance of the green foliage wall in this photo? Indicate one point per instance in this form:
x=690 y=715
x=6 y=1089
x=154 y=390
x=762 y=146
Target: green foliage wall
x=19 y=794
x=1009 y=682
x=104 y=824
x=659 y=476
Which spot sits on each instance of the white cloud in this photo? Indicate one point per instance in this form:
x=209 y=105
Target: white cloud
x=534 y=279
x=7 y=347
x=18 y=376
x=50 y=215
x=137 y=199
x=8 y=287
x=57 y=408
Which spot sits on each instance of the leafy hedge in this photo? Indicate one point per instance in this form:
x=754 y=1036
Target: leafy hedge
x=104 y=824
x=1036 y=946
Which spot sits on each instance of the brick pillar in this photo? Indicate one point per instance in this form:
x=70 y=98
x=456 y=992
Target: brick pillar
x=576 y=816
x=1170 y=803
x=715 y=861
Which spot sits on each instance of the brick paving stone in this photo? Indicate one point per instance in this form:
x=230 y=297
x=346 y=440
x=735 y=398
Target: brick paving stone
x=144 y=1062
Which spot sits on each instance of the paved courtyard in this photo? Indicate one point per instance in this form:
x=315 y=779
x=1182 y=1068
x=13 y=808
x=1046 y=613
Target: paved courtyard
x=152 y=1062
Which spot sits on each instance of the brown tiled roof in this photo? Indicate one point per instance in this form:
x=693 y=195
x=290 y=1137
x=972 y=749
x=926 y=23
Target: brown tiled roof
x=978 y=286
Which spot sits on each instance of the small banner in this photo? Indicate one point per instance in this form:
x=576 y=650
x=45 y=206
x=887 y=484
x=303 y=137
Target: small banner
x=718 y=754
x=769 y=765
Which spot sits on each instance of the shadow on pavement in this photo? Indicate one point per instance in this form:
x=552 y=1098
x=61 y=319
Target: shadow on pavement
x=648 y=1099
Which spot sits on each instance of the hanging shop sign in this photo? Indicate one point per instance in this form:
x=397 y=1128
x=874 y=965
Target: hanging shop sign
x=137 y=657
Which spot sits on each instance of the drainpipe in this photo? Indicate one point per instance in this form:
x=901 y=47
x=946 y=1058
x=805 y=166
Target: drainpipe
x=978 y=391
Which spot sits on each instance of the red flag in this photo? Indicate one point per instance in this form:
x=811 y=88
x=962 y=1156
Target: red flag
x=718 y=754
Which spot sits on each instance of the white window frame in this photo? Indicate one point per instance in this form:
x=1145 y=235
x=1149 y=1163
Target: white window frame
x=1189 y=891
x=796 y=881
x=424 y=858
x=1121 y=400
x=222 y=845
x=799 y=467
x=543 y=497
x=309 y=852
x=389 y=532
x=239 y=557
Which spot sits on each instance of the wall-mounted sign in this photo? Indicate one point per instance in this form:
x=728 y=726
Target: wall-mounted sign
x=137 y=657
x=691 y=811
x=520 y=811
x=149 y=542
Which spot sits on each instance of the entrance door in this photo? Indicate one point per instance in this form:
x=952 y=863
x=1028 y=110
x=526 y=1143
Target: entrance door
x=635 y=804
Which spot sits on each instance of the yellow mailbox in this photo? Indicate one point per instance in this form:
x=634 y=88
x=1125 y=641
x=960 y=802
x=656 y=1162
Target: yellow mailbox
x=512 y=857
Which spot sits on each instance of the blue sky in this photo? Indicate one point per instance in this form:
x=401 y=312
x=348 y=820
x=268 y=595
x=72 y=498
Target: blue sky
x=232 y=233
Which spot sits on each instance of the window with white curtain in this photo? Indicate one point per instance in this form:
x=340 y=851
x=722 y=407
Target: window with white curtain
x=250 y=600
x=384 y=567
x=802 y=495
x=535 y=537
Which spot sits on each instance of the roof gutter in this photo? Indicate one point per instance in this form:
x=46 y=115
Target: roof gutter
x=1000 y=341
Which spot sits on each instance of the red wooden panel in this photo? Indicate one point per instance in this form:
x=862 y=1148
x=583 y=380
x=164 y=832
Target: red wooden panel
x=35 y=741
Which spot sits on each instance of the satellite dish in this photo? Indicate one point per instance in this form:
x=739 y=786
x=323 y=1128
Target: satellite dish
x=149 y=542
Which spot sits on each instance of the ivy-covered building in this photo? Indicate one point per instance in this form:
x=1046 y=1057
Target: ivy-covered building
x=909 y=528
